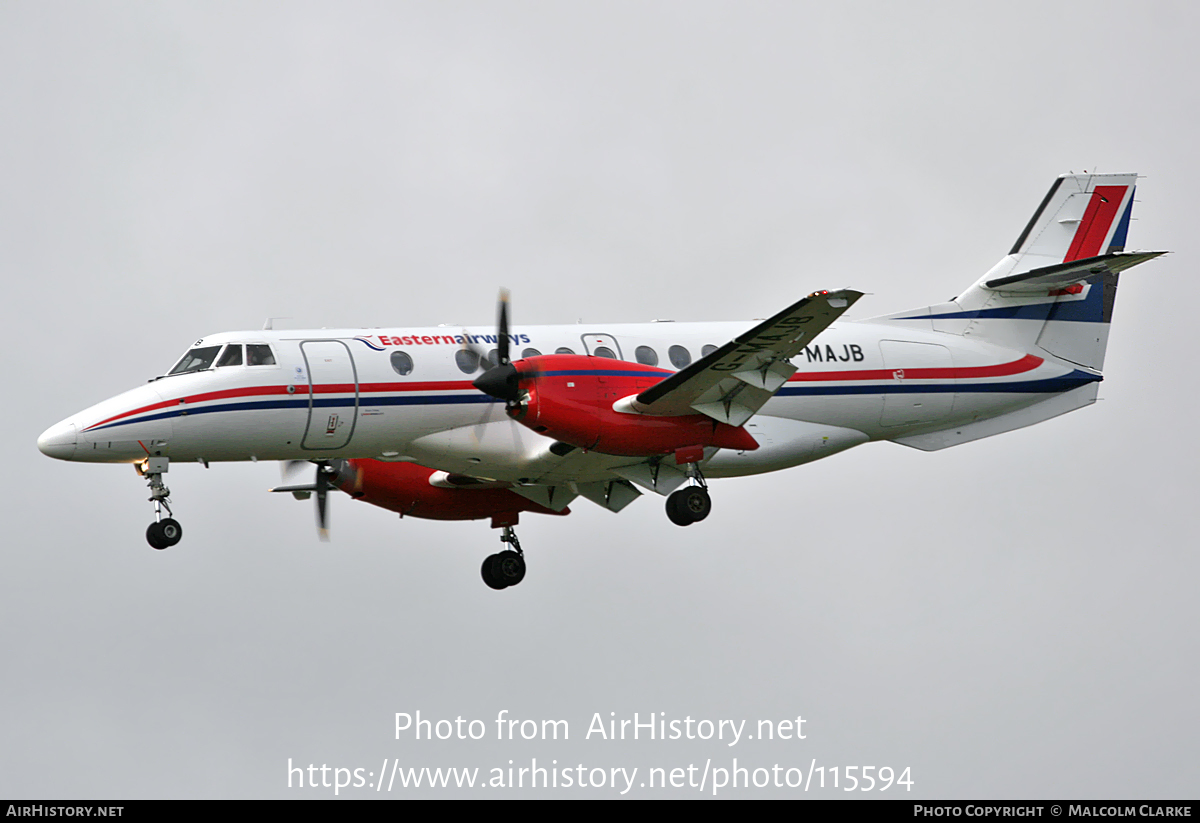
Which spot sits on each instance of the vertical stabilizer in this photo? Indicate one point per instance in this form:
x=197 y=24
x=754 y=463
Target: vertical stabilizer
x=1083 y=215
x=1055 y=289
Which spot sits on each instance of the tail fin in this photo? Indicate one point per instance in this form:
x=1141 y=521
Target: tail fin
x=1083 y=215
x=1056 y=288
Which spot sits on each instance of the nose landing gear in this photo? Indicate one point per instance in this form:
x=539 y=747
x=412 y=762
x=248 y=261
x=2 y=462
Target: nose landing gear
x=162 y=533
x=507 y=568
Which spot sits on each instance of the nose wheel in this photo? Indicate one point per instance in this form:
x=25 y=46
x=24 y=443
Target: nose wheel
x=163 y=534
x=506 y=568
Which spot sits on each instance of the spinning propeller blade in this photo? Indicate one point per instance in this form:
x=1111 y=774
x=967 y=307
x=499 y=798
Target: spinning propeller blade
x=320 y=485
x=502 y=357
x=501 y=380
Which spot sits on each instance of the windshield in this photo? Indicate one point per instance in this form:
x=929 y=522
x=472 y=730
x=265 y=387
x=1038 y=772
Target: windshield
x=195 y=360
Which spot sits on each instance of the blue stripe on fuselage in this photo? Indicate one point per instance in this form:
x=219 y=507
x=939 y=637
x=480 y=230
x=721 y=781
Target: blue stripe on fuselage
x=1045 y=386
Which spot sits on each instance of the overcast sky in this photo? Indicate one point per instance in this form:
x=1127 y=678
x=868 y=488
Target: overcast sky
x=1012 y=618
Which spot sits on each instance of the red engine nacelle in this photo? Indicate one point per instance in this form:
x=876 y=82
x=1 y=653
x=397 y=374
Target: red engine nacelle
x=405 y=488
x=570 y=397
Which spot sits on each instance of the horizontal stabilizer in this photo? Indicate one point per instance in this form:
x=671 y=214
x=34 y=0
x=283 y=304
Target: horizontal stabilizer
x=1074 y=271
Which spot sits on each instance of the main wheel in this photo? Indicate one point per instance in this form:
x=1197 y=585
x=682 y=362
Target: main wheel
x=155 y=536
x=172 y=532
x=508 y=567
x=688 y=506
x=697 y=503
x=486 y=573
x=675 y=511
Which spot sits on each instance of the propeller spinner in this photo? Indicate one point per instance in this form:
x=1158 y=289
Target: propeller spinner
x=502 y=380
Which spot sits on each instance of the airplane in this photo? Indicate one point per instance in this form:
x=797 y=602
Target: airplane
x=463 y=424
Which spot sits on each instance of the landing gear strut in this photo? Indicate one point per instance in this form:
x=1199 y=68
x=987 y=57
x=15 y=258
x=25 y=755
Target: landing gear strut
x=506 y=568
x=163 y=532
x=690 y=504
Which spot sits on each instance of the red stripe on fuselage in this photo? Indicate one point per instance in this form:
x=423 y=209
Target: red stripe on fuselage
x=1097 y=220
x=330 y=388
x=1027 y=363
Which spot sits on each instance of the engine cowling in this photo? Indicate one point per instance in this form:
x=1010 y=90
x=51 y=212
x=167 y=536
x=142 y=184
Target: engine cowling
x=570 y=398
x=405 y=488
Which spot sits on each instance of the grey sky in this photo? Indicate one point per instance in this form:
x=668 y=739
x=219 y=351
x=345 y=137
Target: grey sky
x=1010 y=618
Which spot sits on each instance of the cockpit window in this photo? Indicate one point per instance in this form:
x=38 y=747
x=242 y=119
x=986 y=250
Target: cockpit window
x=232 y=356
x=258 y=354
x=196 y=360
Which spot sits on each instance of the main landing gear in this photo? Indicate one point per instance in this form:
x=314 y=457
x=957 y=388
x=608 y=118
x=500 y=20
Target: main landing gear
x=163 y=532
x=690 y=504
x=506 y=568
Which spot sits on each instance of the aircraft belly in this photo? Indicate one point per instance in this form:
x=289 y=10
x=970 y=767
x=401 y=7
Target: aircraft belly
x=859 y=412
x=782 y=444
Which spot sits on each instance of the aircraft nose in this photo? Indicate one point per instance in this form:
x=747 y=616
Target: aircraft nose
x=58 y=441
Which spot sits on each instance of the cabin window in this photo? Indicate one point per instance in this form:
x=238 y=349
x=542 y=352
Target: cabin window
x=493 y=358
x=531 y=353
x=259 y=354
x=605 y=351
x=402 y=364
x=563 y=350
x=708 y=349
x=646 y=356
x=680 y=356
x=196 y=360
x=232 y=356
x=467 y=360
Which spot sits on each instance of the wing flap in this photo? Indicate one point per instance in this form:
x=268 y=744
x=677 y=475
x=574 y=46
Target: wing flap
x=655 y=476
x=732 y=401
x=613 y=495
x=556 y=498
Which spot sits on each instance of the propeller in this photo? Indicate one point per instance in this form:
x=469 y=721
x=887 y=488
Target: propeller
x=501 y=381
x=326 y=473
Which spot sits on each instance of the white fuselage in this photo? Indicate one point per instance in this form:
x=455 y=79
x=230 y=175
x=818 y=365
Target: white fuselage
x=346 y=393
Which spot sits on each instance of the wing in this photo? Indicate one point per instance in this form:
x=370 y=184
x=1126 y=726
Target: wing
x=732 y=383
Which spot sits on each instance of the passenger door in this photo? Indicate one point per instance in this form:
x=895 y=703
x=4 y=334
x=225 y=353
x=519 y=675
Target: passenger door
x=332 y=394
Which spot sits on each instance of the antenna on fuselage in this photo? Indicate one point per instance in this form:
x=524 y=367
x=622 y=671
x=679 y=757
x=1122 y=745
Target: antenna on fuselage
x=269 y=325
